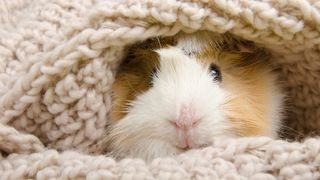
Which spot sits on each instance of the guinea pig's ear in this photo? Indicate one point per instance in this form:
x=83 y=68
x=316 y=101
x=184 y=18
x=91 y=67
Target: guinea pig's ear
x=250 y=50
x=130 y=55
x=246 y=47
x=126 y=60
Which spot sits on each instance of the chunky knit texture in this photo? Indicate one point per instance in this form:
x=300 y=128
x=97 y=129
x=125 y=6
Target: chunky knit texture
x=58 y=60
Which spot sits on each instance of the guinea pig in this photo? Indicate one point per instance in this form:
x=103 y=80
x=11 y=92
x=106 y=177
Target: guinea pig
x=177 y=93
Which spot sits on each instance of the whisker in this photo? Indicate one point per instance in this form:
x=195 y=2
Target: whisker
x=288 y=130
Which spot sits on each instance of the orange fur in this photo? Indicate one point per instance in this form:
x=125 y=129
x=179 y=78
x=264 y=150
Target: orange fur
x=246 y=76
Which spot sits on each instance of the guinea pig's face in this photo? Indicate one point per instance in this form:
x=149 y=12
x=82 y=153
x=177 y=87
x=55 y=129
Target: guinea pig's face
x=188 y=90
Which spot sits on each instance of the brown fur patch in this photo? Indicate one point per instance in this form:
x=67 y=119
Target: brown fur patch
x=133 y=78
x=135 y=74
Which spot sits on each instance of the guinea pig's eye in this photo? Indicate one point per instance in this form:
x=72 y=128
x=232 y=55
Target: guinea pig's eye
x=215 y=72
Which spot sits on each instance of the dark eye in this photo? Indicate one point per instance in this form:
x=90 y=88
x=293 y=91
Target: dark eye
x=215 y=72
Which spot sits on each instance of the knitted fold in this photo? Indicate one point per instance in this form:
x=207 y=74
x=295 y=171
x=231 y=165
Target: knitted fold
x=57 y=64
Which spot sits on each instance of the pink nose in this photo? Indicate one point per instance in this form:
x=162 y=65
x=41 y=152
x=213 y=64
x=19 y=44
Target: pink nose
x=186 y=118
x=185 y=126
x=185 y=123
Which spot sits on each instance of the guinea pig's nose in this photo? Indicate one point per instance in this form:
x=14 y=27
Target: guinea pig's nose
x=186 y=118
x=184 y=126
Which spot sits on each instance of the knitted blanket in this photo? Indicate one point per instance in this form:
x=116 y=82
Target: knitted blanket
x=58 y=60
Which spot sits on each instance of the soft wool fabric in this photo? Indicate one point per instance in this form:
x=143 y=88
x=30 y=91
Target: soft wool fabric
x=58 y=60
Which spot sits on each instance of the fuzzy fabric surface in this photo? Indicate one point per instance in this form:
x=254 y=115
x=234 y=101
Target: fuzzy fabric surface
x=58 y=60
